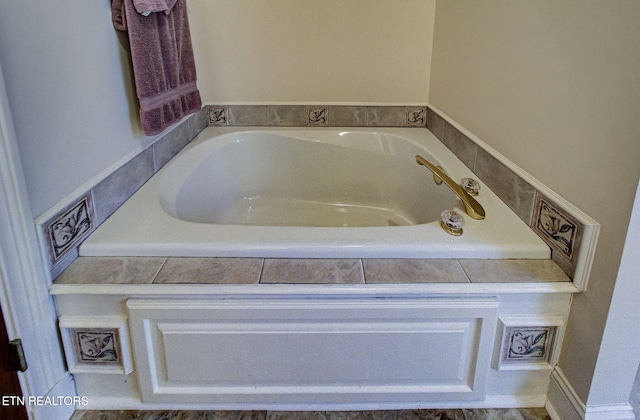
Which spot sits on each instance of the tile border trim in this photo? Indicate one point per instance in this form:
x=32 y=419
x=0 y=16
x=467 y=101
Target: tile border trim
x=572 y=242
x=317 y=115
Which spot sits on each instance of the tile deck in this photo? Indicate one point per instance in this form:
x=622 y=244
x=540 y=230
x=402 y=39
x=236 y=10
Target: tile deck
x=159 y=270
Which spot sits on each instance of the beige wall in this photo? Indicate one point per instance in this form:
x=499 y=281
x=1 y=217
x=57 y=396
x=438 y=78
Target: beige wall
x=355 y=51
x=555 y=87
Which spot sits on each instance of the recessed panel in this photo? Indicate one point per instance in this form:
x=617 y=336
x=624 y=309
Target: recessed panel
x=313 y=351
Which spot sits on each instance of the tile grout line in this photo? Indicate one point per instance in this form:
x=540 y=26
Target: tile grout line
x=155 y=276
x=464 y=271
x=261 y=271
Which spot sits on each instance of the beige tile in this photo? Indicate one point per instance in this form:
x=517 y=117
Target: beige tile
x=347 y=116
x=513 y=271
x=210 y=270
x=287 y=115
x=386 y=116
x=111 y=270
x=515 y=191
x=435 y=123
x=463 y=147
x=312 y=271
x=247 y=115
x=381 y=271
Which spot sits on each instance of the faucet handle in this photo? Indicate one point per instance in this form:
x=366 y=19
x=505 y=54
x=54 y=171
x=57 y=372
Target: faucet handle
x=470 y=185
x=452 y=222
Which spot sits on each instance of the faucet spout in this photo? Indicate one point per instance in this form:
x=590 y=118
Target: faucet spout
x=472 y=207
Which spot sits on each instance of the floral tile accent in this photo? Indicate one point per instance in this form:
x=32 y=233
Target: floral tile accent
x=97 y=345
x=557 y=228
x=529 y=342
x=416 y=117
x=317 y=116
x=218 y=115
x=68 y=228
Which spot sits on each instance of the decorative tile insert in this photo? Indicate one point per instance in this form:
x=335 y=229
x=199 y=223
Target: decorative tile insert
x=528 y=343
x=317 y=116
x=557 y=228
x=69 y=227
x=416 y=117
x=97 y=345
x=529 y=346
x=218 y=115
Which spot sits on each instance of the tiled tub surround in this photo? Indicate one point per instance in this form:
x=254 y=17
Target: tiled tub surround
x=112 y=297
x=64 y=227
x=570 y=233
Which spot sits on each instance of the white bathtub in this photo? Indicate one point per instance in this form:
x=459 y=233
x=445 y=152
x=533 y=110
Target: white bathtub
x=309 y=193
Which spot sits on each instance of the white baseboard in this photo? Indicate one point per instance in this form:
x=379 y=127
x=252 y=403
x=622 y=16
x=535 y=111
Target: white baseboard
x=563 y=403
x=57 y=404
x=610 y=412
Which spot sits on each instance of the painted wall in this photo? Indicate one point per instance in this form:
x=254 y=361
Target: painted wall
x=70 y=88
x=71 y=95
x=554 y=87
x=354 y=51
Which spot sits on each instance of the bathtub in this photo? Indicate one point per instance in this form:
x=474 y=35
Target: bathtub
x=309 y=193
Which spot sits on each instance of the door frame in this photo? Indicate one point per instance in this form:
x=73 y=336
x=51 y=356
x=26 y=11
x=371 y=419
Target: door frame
x=27 y=307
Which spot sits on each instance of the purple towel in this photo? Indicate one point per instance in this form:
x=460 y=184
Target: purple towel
x=145 y=7
x=163 y=65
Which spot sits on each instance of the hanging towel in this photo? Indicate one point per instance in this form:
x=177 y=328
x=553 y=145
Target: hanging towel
x=146 y=7
x=163 y=64
x=117 y=15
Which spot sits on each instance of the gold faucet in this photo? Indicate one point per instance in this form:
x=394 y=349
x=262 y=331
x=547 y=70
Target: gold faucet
x=472 y=207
